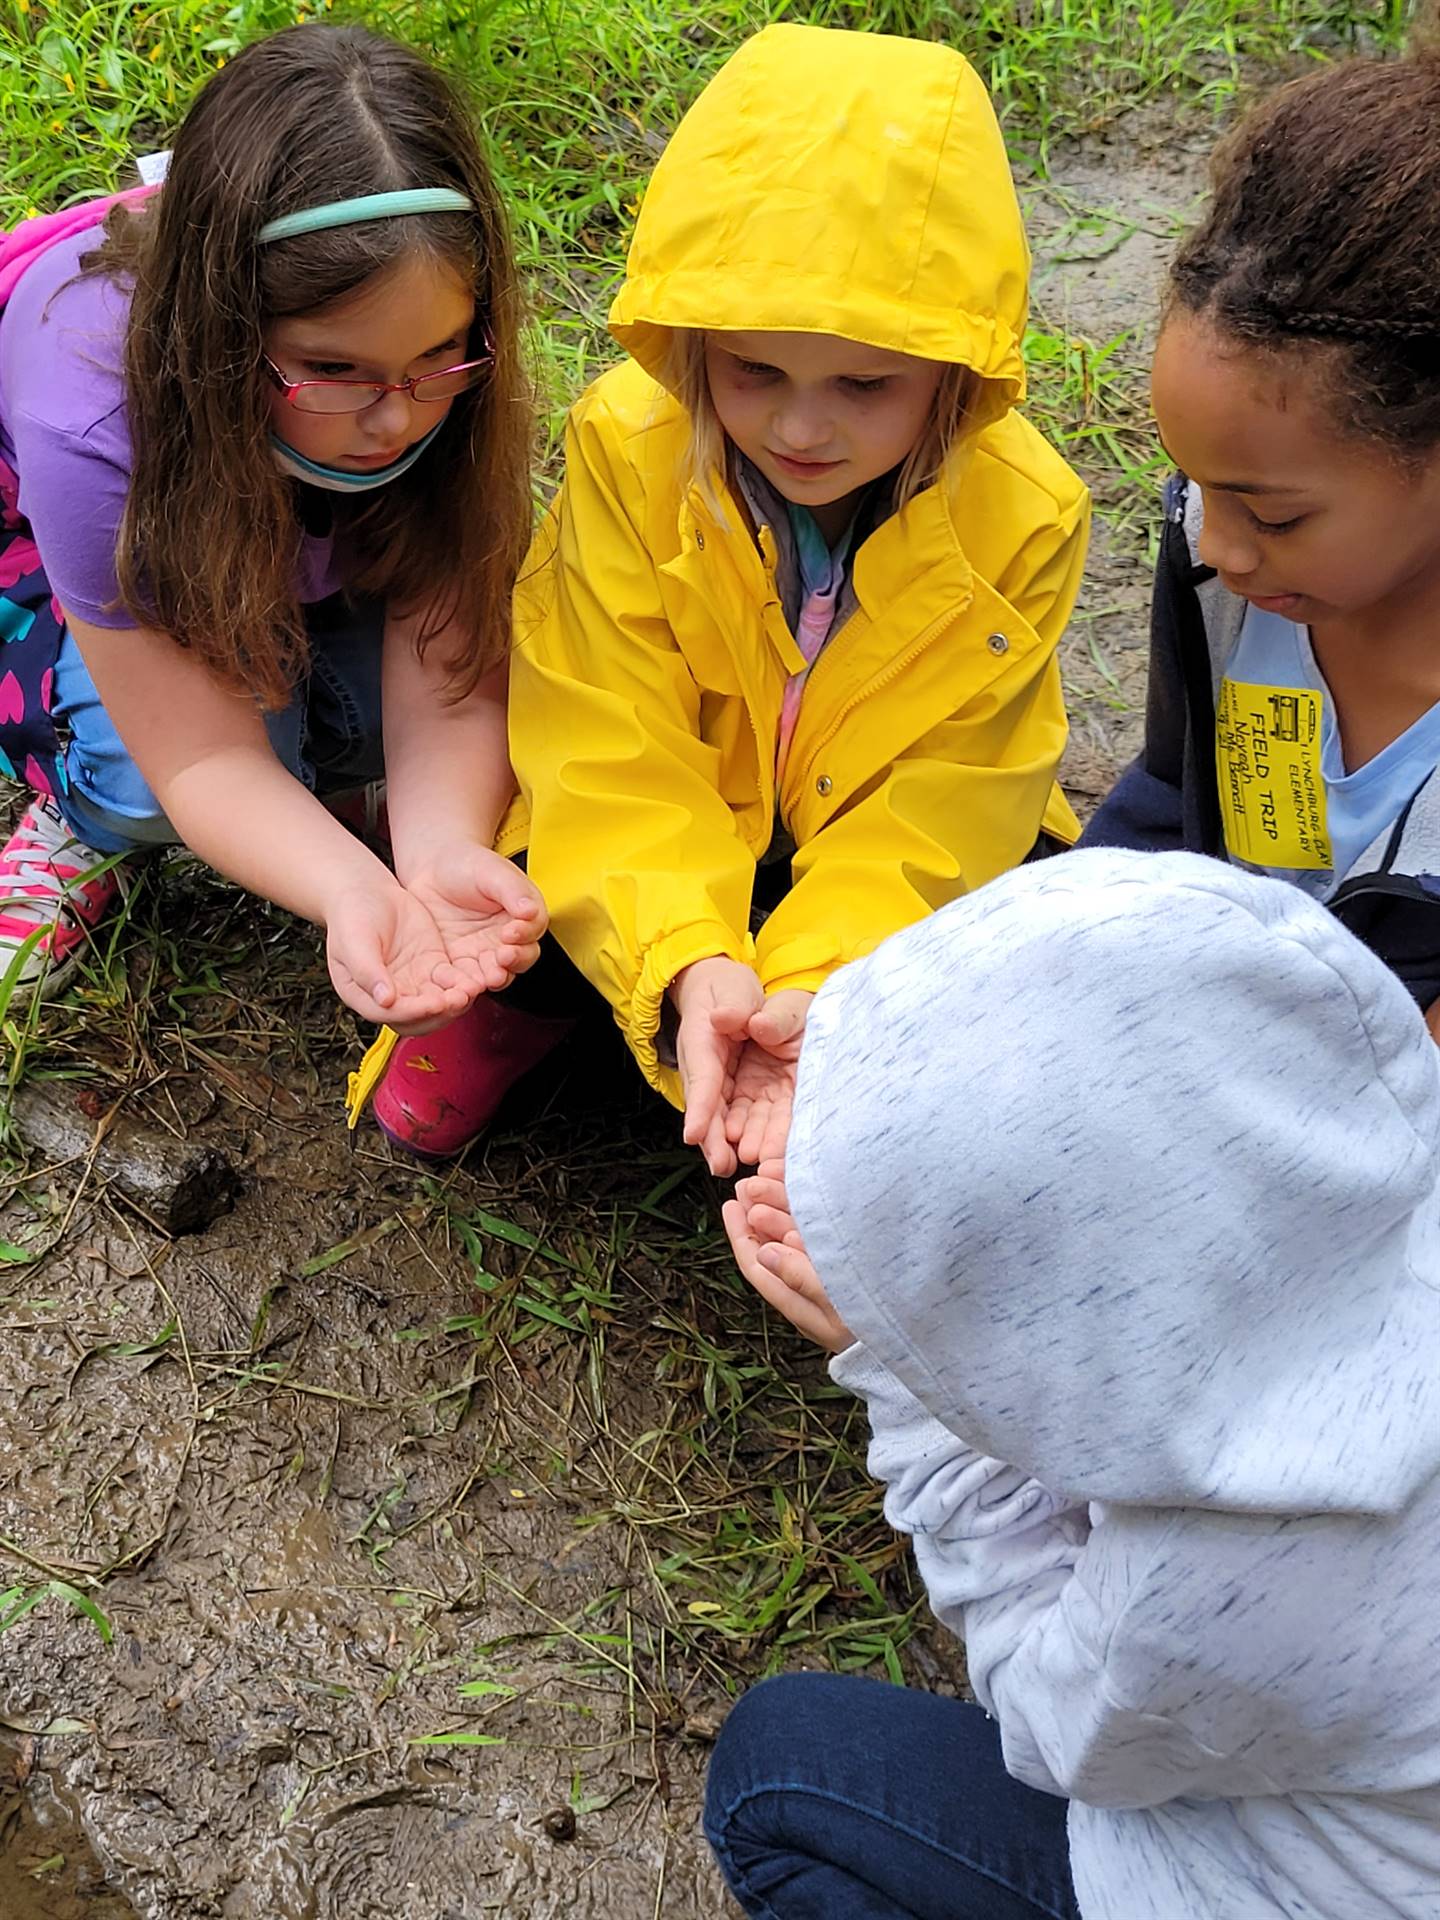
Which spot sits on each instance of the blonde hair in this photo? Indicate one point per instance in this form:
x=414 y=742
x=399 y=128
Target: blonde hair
x=708 y=454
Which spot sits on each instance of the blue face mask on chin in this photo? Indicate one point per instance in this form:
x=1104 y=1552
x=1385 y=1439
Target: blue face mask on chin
x=340 y=479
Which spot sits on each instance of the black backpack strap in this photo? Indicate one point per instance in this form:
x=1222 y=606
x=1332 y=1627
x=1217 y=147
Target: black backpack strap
x=1392 y=845
x=1177 y=632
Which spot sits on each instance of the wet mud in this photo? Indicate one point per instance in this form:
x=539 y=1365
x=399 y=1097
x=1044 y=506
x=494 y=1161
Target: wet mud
x=364 y=1642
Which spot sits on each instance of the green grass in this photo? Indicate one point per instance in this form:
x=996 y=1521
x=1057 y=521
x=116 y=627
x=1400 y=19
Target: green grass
x=578 y=98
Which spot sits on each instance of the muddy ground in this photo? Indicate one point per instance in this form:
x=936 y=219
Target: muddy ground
x=373 y=1439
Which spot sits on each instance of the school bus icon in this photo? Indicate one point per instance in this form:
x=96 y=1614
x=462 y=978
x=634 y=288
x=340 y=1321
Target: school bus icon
x=1285 y=716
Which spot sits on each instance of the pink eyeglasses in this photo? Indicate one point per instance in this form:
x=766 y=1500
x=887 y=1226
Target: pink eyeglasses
x=354 y=396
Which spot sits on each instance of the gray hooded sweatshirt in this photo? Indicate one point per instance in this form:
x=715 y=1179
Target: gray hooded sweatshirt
x=1124 y=1173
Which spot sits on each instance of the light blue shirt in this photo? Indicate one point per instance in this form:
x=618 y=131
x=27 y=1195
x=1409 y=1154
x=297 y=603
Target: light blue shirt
x=1360 y=806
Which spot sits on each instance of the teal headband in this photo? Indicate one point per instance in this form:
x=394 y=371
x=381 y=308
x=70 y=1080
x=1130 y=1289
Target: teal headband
x=370 y=206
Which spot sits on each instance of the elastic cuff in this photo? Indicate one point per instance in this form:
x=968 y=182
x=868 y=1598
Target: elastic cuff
x=858 y=1371
x=711 y=940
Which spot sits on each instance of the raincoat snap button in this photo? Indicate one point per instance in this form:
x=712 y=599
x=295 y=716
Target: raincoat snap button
x=700 y=541
x=824 y=785
x=997 y=643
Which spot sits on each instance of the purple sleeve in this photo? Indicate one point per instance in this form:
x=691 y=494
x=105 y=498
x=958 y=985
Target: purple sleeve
x=72 y=491
x=62 y=399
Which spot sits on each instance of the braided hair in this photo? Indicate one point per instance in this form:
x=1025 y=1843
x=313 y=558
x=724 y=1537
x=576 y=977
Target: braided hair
x=1323 y=235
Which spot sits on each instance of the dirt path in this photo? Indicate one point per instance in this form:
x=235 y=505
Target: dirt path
x=1103 y=229
x=417 y=1506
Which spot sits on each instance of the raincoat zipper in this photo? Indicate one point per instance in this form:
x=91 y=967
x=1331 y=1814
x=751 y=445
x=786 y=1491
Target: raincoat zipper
x=896 y=666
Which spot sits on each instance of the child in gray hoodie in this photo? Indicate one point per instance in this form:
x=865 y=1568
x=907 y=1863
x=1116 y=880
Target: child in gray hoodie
x=1115 y=1190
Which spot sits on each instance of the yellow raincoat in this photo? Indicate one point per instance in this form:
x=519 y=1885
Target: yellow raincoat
x=826 y=182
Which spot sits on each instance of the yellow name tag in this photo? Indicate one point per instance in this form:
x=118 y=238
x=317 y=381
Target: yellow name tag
x=1272 y=791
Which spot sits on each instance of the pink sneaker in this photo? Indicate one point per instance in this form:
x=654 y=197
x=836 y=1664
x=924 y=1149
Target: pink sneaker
x=49 y=879
x=441 y=1091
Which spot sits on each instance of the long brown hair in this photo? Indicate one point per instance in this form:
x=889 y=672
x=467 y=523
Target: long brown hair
x=210 y=536
x=1323 y=236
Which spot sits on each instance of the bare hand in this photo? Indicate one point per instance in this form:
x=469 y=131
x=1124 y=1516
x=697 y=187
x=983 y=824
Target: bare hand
x=716 y=1000
x=757 y=1124
x=488 y=914
x=388 y=959
x=772 y=1257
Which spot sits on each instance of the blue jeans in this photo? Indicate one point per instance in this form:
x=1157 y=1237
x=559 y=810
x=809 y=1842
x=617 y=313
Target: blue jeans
x=329 y=736
x=831 y=1797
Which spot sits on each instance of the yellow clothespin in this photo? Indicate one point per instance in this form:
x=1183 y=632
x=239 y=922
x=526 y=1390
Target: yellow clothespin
x=367 y=1076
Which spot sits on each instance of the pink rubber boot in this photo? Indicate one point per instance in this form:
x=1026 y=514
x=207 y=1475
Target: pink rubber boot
x=441 y=1090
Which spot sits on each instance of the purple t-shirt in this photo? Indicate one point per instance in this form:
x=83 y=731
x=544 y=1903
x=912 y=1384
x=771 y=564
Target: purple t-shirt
x=64 y=432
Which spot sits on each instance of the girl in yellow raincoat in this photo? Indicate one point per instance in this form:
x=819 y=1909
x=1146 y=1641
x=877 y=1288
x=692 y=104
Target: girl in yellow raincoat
x=787 y=637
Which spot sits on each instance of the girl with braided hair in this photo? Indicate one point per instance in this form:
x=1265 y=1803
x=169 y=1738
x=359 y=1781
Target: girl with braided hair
x=1293 y=718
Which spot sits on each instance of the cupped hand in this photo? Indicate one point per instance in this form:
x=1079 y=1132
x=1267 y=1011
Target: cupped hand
x=389 y=961
x=762 y=1099
x=716 y=1000
x=488 y=913
x=775 y=1262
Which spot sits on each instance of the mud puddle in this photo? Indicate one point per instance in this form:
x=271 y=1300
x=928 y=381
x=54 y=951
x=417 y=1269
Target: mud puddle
x=48 y=1870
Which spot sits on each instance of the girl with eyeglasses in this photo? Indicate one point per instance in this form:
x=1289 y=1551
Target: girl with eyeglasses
x=264 y=441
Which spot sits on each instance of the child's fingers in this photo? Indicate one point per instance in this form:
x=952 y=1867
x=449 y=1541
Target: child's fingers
x=793 y=1266
x=496 y=878
x=718 y=1152
x=430 y=996
x=475 y=971
x=705 y=1125
x=423 y=1006
x=757 y=1191
x=775 y=1131
x=403 y=1011
x=768 y=1127
x=730 y=1020
x=494 y=975
x=757 y=1127
x=808 y=1312
x=510 y=958
x=736 y=1116
x=446 y=973
x=703 y=1069
x=520 y=933
x=747 y=1256
x=780 y=1021
x=737 y=1228
x=359 y=1001
x=770 y=1223
x=702 y=1095
x=364 y=983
